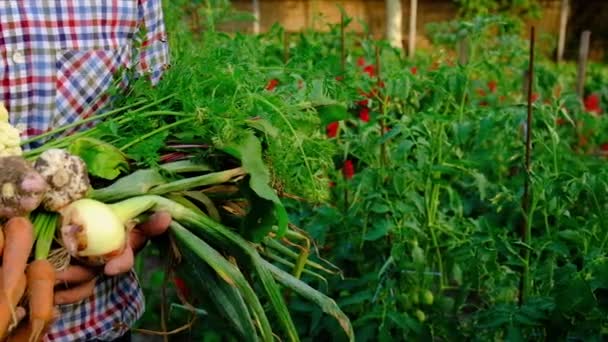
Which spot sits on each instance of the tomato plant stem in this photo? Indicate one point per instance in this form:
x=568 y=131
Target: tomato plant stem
x=342 y=45
x=525 y=229
x=383 y=158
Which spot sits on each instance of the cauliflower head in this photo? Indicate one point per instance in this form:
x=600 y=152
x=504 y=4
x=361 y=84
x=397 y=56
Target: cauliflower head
x=9 y=136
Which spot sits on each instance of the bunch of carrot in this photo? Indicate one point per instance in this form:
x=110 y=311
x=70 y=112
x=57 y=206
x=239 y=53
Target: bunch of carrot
x=24 y=281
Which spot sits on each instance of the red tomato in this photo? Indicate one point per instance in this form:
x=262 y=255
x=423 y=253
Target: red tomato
x=348 y=169
x=273 y=83
x=332 y=129
x=364 y=114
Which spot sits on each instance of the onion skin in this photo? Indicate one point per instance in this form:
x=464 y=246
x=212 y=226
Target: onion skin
x=91 y=232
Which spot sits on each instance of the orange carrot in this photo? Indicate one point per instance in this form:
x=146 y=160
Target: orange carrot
x=40 y=281
x=19 y=240
x=5 y=306
x=1 y=242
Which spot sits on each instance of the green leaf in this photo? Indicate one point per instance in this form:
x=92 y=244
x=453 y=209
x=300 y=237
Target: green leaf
x=249 y=151
x=380 y=208
x=570 y=235
x=380 y=228
x=263 y=126
x=102 y=159
x=331 y=113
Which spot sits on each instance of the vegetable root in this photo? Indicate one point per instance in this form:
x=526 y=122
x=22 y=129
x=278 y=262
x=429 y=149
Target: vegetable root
x=40 y=280
x=19 y=240
x=8 y=317
x=21 y=187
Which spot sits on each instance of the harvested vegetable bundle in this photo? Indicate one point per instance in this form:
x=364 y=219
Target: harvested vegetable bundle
x=229 y=221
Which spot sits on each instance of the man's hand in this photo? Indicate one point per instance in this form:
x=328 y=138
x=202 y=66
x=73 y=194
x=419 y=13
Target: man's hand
x=80 y=280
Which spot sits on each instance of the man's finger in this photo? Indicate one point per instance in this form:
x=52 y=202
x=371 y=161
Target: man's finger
x=75 y=294
x=121 y=263
x=75 y=274
x=157 y=224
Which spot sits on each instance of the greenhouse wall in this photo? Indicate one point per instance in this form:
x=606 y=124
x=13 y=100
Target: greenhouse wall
x=296 y=15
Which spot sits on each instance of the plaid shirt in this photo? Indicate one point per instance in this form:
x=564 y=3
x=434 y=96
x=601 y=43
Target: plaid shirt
x=57 y=58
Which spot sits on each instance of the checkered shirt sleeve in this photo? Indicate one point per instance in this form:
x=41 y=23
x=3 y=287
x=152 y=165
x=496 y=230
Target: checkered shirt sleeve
x=57 y=58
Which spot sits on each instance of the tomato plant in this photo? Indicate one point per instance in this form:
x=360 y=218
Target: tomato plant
x=423 y=174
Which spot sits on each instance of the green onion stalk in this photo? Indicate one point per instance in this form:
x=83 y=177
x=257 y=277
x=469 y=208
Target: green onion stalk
x=45 y=225
x=197 y=231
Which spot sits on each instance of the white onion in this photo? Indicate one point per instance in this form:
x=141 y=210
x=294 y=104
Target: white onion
x=91 y=231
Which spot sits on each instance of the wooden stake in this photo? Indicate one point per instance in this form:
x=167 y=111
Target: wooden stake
x=257 y=15
x=523 y=286
x=412 y=37
x=394 y=17
x=563 y=23
x=463 y=51
x=582 y=63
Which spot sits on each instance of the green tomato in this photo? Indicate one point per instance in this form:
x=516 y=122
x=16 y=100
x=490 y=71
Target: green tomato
x=420 y=315
x=418 y=255
x=414 y=298
x=427 y=297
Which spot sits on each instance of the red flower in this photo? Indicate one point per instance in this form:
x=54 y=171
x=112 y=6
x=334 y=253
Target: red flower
x=360 y=61
x=363 y=103
x=364 y=114
x=348 y=169
x=370 y=70
x=483 y=103
x=492 y=85
x=592 y=104
x=414 y=70
x=273 y=83
x=480 y=92
x=332 y=184
x=332 y=129
x=181 y=287
x=381 y=84
x=604 y=147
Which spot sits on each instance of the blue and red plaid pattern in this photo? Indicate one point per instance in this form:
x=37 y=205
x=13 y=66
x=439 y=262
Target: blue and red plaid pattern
x=116 y=304
x=57 y=58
